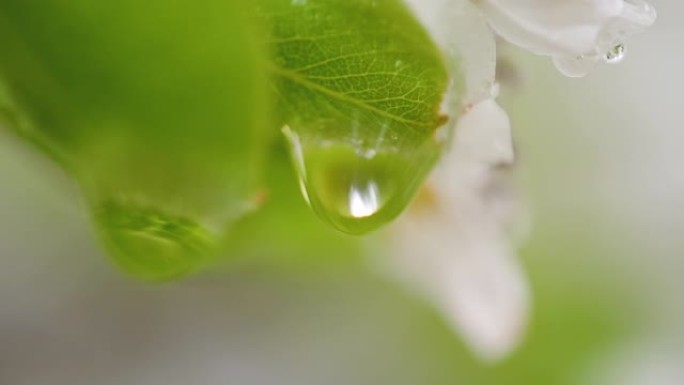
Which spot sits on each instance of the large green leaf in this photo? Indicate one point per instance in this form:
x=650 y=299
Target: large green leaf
x=157 y=109
x=360 y=84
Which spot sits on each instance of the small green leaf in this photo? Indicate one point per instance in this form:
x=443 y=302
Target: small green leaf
x=360 y=84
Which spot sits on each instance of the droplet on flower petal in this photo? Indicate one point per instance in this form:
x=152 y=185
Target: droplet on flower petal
x=616 y=54
x=575 y=66
x=576 y=34
x=354 y=186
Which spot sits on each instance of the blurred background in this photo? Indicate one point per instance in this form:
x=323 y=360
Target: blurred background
x=601 y=168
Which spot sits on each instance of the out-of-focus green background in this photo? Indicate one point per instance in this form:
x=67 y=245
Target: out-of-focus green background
x=601 y=165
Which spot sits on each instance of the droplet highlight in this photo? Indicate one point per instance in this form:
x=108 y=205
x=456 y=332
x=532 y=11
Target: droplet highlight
x=364 y=200
x=616 y=54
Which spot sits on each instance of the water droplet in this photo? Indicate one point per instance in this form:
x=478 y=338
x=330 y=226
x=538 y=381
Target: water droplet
x=575 y=66
x=152 y=245
x=358 y=187
x=615 y=54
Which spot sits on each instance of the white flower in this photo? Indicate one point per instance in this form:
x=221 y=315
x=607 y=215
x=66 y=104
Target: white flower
x=453 y=245
x=575 y=33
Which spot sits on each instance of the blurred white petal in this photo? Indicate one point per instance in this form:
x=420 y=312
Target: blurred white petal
x=575 y=33
x=453 y=245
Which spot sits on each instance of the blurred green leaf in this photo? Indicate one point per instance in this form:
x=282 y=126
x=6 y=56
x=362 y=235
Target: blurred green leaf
x=157 y=108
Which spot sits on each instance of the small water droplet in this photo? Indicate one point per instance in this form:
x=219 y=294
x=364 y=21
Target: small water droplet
x=615 y=54
x=150 y=244
x=358 y=188
x=576 y=66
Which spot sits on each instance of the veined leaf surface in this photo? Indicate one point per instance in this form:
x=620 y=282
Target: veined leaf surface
x=360 y=84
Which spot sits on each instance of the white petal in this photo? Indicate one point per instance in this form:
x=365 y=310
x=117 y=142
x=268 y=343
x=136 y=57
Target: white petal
x=455 y=249
x=483 y=140
x=474 y=279
x=575 y=33
x=461 y=31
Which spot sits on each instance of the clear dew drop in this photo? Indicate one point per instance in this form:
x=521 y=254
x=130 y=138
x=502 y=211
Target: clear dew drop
x=353 y=187
x=575 y=66
x=616 y=54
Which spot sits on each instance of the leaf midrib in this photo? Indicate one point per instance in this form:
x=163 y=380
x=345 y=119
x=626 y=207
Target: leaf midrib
x=303 y=81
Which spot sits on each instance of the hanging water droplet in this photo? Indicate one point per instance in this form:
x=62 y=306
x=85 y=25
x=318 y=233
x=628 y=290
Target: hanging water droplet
x=353 y=187
x=575 y=66
x=615 y=54
x=152 y=245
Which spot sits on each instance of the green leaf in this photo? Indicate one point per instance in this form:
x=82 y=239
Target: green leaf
x=360 y=84
x=284 y=235
x=157 y=108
